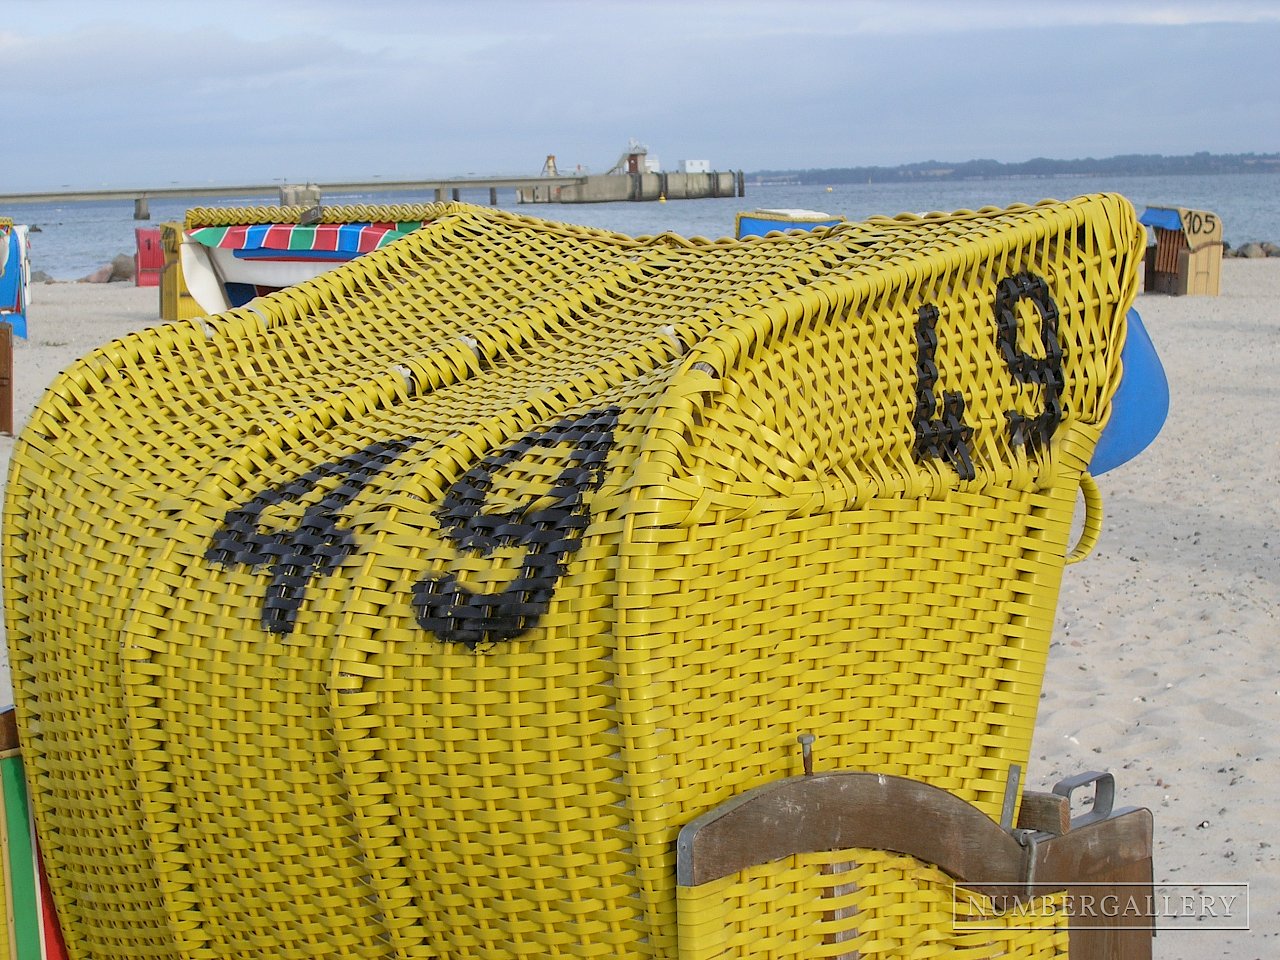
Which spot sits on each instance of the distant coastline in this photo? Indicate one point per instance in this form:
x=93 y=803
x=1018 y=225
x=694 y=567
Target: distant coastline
x=932 y=171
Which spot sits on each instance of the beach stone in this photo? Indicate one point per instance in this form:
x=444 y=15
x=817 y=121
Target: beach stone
x=101 y=275
x=1271 y=249
x=1253 y=251
x=39 y=276
x=122 y=267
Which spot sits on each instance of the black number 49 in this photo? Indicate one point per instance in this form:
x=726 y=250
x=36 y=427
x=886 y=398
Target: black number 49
x=546 y=527
x=940 y=429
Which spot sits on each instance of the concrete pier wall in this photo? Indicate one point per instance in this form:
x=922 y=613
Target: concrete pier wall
x=607 y=188
x=600 y=188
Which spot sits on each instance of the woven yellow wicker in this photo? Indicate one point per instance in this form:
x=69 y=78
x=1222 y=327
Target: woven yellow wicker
x=872 y=905
x=341 y=213
x=410 y=612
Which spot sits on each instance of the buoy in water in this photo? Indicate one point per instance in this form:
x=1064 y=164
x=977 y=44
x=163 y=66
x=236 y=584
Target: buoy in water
x=661 y=198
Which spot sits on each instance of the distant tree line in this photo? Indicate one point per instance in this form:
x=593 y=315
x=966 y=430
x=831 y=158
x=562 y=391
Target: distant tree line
x=1127 y=165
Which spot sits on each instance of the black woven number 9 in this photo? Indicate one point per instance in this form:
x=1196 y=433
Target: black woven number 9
x=549 y=527
x=1045 y=372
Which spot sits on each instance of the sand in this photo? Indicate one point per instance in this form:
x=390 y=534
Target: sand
x=1163 y=669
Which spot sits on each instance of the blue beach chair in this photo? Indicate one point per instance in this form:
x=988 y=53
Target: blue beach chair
x=15 y=277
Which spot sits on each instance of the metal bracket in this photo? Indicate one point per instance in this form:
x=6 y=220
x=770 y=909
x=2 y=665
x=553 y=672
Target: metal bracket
x=1104 y=795
x=1010 y=796
x=1029 y=839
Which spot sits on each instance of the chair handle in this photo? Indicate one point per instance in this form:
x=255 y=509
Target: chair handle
x=1092 y=519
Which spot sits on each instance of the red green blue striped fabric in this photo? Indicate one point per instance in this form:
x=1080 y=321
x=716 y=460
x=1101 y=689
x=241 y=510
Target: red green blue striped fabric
x=351 y=238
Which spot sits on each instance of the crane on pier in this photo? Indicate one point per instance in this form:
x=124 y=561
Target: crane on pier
x=633 y=159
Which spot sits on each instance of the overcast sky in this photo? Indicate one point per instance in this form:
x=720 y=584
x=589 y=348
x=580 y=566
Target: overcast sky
x=154 y=92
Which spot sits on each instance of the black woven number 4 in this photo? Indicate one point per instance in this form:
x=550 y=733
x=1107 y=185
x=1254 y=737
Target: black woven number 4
x=941 y=432
x=548 y=527
x=316 y=546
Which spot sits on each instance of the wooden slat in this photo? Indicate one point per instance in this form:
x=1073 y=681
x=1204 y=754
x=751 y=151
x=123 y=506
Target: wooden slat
x=1046 y=812
x=8 y=730
x=842 y=810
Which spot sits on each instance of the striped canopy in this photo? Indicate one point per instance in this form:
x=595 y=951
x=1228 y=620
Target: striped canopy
x=350 y=238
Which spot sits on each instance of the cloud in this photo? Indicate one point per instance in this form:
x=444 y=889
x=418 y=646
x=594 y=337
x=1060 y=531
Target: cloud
x=235 y=92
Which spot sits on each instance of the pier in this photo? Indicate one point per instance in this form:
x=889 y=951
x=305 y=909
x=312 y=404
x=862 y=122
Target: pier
x=612 y=187
x=581 y=188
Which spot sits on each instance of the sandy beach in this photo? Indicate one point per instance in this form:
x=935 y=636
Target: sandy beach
x=1163 y=665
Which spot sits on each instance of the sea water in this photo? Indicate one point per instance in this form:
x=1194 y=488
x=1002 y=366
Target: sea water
x=75 y=239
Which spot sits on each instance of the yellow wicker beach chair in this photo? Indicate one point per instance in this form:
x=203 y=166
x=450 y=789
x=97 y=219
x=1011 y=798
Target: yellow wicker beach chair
x=415 y=611
x=221 y=257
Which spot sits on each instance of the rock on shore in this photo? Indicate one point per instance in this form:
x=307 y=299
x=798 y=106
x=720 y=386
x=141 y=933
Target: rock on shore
x=120 y=269
x=1253 y=251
